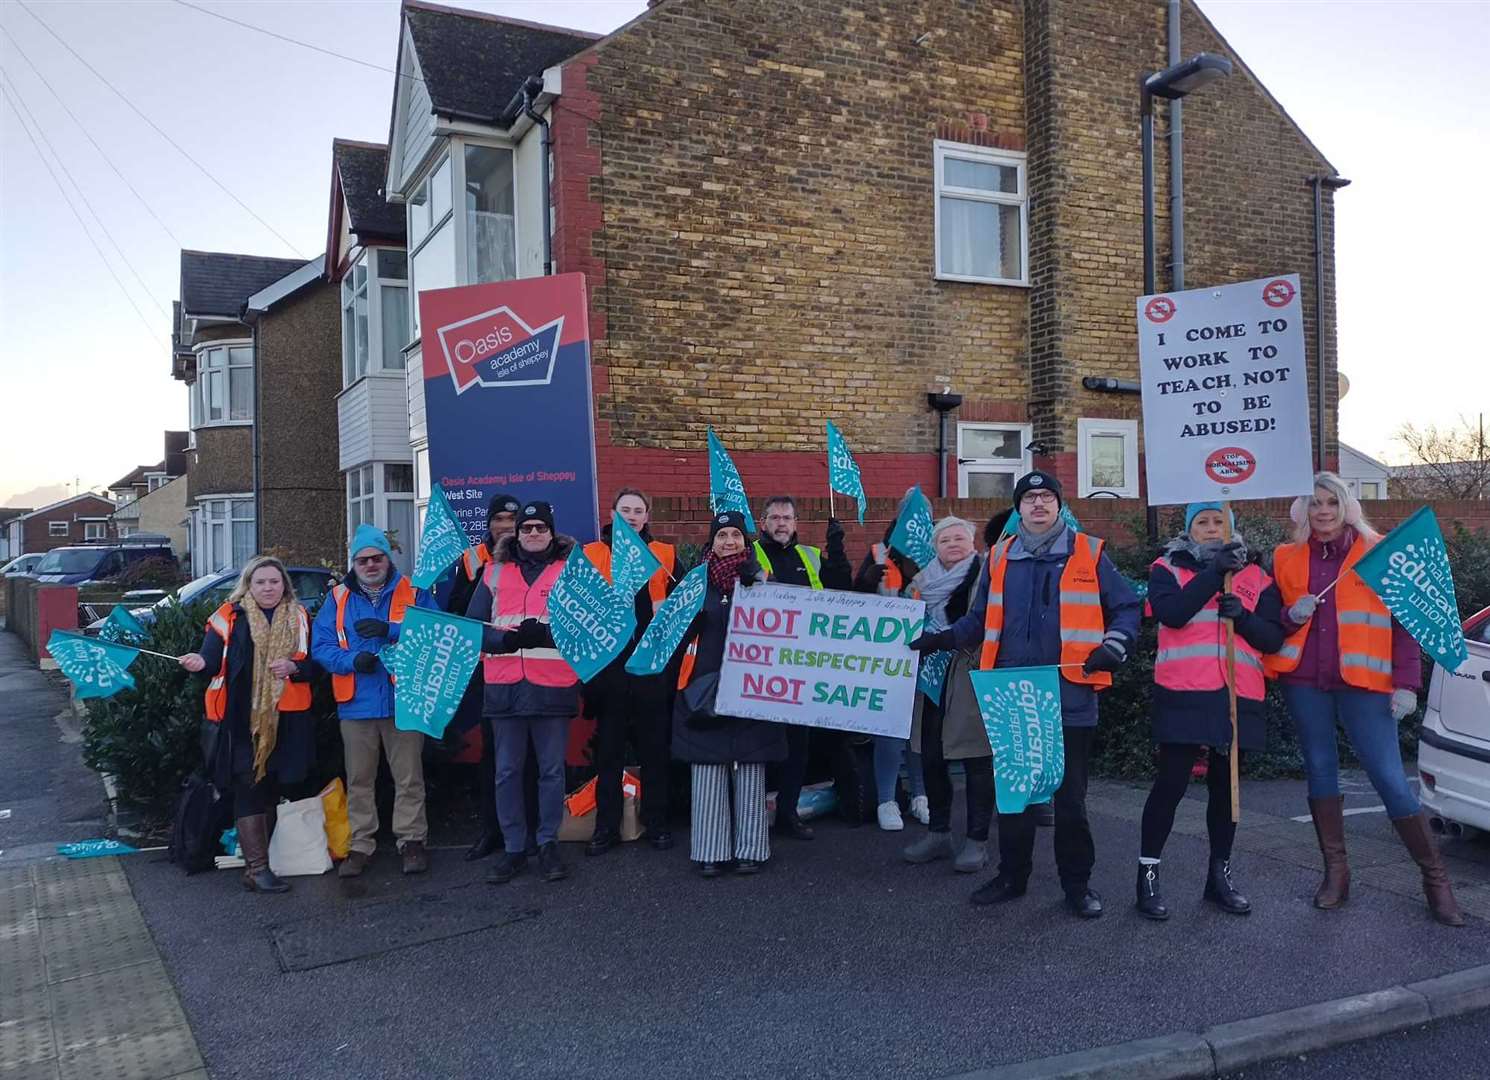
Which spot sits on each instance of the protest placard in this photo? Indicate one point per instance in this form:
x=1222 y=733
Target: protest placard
x=1225 y=397
x=821 y=658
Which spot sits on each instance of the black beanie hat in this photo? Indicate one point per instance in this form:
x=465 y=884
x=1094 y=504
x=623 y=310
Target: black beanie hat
x=502 y=503
x=729 y=519
x=1037 y=481
x=536 y=511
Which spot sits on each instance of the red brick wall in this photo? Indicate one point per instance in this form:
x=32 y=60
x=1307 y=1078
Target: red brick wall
x=37 y=537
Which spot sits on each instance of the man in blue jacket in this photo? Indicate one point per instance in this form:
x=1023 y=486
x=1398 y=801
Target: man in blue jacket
x=360 y=617
x=1031 y=629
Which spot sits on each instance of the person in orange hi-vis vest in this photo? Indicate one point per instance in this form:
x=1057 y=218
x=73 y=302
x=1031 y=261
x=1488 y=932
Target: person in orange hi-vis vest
x=1050 y=595
x=360 y=617
x=1347 y=660
x=531 y=694
x=1192 y=711
x=640 y=704
x=259 y=733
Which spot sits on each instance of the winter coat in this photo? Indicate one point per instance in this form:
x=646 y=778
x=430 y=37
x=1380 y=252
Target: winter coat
x=227 y=746
x=787 y=568
x=963 y=733
x=522 y=698
x=652 y=692
x=373 y=696
x=1203 y=717
x=723 y=739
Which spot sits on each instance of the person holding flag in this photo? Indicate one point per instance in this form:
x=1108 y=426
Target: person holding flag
x=1347 y=659
x=641 y=703
x=259 y=733
x=1051 y=596
x=531 y=693
x=1188 y=595
x=360 y=617
x=787 y=561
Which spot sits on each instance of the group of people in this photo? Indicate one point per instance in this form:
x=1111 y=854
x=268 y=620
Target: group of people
x=1043 y=593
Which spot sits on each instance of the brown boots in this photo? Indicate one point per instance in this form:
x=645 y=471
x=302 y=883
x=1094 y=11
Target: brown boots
x=1329 y=826
x=253 y=841
x=1419 y=844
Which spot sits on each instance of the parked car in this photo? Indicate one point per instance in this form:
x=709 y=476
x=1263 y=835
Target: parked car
x=312 y=583
x=86 y=563
x=23 y=565
x=1454 y=742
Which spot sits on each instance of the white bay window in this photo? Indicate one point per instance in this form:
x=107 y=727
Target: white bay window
x=375 y=314
x=382 y=494
x=223 y=390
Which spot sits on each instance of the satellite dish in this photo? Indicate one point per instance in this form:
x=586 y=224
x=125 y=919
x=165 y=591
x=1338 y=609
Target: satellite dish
x=1344 y=384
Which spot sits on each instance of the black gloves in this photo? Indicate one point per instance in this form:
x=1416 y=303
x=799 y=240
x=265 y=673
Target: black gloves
x=934 y=642
x=1230 y=558
x=870 y=579
x=1231 y=606
x=370 y=628
x=835 y=533
x=365 y=663
x=751 y=572
x=1108 y=656
x=492 y=639
x=530 y=634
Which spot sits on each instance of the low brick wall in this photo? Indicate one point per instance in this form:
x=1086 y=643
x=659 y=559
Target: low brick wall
x=34 y=610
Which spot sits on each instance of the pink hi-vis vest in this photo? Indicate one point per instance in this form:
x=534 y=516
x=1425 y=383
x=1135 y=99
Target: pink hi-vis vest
x=512 y=601
x=1193 y=657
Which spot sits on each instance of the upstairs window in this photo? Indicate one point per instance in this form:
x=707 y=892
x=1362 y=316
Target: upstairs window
x=982 y=215
x=223 y=391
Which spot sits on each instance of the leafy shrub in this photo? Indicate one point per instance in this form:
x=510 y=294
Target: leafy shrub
x=1469 y=555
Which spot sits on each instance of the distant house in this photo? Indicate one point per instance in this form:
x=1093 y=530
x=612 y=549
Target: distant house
x=7 y=515
x=80 y=519
x=1444 y=480
x=1363 y=474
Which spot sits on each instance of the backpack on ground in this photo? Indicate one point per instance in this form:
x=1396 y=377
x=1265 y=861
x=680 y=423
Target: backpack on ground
x=202 y=813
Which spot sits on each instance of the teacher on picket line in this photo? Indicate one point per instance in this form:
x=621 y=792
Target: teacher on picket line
x=1192 y=709
x=728 y=754
x=641 y=703
x=531 y=693
x=1346 y=658
x=1050 y=596
x=258 y=733
x=787 y=561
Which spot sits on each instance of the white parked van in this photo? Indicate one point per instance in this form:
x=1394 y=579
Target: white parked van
x=1454 y=744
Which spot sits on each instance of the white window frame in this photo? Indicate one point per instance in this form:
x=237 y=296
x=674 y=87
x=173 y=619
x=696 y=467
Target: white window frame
x=198 y=389
x=377 y=290
x=941 y=151
x=1086 y=428
x=375 y=495
x=95 y=530
x=59 y=528
x=971 y=466
x=226 y=511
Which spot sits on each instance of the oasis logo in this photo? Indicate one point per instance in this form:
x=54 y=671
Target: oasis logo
x=496 y=348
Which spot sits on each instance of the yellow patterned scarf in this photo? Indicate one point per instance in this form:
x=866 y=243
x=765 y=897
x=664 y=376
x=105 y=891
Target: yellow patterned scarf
x=273 y=640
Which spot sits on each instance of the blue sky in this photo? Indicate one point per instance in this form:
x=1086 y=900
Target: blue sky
x=1395 y=94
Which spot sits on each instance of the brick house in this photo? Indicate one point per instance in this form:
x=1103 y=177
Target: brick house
x=147 y=499
x=80 y=519
x=790 y=212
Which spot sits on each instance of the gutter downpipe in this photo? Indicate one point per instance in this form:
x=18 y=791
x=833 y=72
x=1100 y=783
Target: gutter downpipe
x=522 y=105
x=1320 y=181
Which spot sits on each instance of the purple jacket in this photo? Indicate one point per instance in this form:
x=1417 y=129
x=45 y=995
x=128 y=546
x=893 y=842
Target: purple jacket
x=1319 y=666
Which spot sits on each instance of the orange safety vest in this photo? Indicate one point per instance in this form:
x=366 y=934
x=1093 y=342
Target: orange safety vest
x=1364 y=622
x=512 y=601
x=473 y=559
x=894 y=580
x=296 y=696
x=1193 y=656
x=1082 y=622
x=599 y=553
x=343 y=687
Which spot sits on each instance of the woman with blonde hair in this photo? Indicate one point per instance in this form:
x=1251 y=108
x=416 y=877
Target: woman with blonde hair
x=258 y=732
x=1345 y=658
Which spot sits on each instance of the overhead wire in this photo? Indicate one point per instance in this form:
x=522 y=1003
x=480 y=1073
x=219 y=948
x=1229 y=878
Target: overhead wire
x=5 y=91
x=159 y=130
x=294 y=41
x=83 y=128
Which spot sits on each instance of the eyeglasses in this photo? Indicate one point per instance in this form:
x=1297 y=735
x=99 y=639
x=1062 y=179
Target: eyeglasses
x=1032 y=497
x=534 y=527
x=369 y=560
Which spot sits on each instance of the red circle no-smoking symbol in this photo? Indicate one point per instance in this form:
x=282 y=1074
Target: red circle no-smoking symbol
x=1160 y=309
x=1277 y=293
x=1230 y=465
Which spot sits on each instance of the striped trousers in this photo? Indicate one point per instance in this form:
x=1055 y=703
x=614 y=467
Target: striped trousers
x=721 y=833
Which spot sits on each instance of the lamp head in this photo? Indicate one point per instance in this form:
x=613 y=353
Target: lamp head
x=1187 y=76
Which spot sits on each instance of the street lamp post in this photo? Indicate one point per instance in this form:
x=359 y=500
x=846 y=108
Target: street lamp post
x=1172 y=83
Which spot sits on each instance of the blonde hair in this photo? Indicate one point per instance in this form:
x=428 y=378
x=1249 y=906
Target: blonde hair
x=253 y=566
x=1355 y=517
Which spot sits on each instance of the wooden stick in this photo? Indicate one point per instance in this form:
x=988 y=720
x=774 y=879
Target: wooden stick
x=1328 y=587
x=1236 y=776
x=831 y=512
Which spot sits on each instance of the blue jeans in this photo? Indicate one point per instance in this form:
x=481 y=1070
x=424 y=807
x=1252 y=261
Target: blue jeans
x=1367 y=716
x=550 y=736
x=888 y=752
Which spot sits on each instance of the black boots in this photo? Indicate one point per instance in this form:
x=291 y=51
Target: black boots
x=485 y=844
x=253 y=840
x=1150 y=901
x=1220 y=891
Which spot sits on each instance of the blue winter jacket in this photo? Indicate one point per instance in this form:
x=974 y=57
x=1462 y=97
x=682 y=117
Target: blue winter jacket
x=1032 y=619
x=373 y=697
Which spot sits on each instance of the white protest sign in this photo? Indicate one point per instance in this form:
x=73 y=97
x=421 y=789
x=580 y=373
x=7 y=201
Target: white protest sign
x=1225 y=396
x=821 y=658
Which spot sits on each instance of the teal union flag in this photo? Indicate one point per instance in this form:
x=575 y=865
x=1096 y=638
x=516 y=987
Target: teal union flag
x=441 y=542
x=632 y=563
x=671 y=621
x=432 y=663
x=96 y=668
x=591 y=622
x=121 y=626
x=726 y=489
x=912 y=533
x=1409 y=570
x=843 y=470
x=1021 y=710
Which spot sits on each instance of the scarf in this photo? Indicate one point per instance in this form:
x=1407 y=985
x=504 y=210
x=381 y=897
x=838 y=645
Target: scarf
x=273 y=639
x=1038 y=545
x=724 y=570
x=1203 y=554
x=373 y=594
x=936 y=584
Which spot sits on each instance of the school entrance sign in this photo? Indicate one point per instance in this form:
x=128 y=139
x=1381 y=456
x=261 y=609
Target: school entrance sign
x=1225 y=394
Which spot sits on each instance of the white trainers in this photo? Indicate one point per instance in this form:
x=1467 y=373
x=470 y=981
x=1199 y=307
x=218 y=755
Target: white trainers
x=921 y=809
x=889 y=815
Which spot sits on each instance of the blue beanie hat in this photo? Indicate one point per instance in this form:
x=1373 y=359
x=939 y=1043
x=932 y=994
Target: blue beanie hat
x=1194 y=509
x=369 y=536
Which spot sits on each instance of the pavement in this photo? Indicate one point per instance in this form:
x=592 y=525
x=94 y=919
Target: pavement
x=840 y=959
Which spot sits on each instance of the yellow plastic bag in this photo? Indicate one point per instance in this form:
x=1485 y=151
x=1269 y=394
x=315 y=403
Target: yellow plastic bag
x=338 y=829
